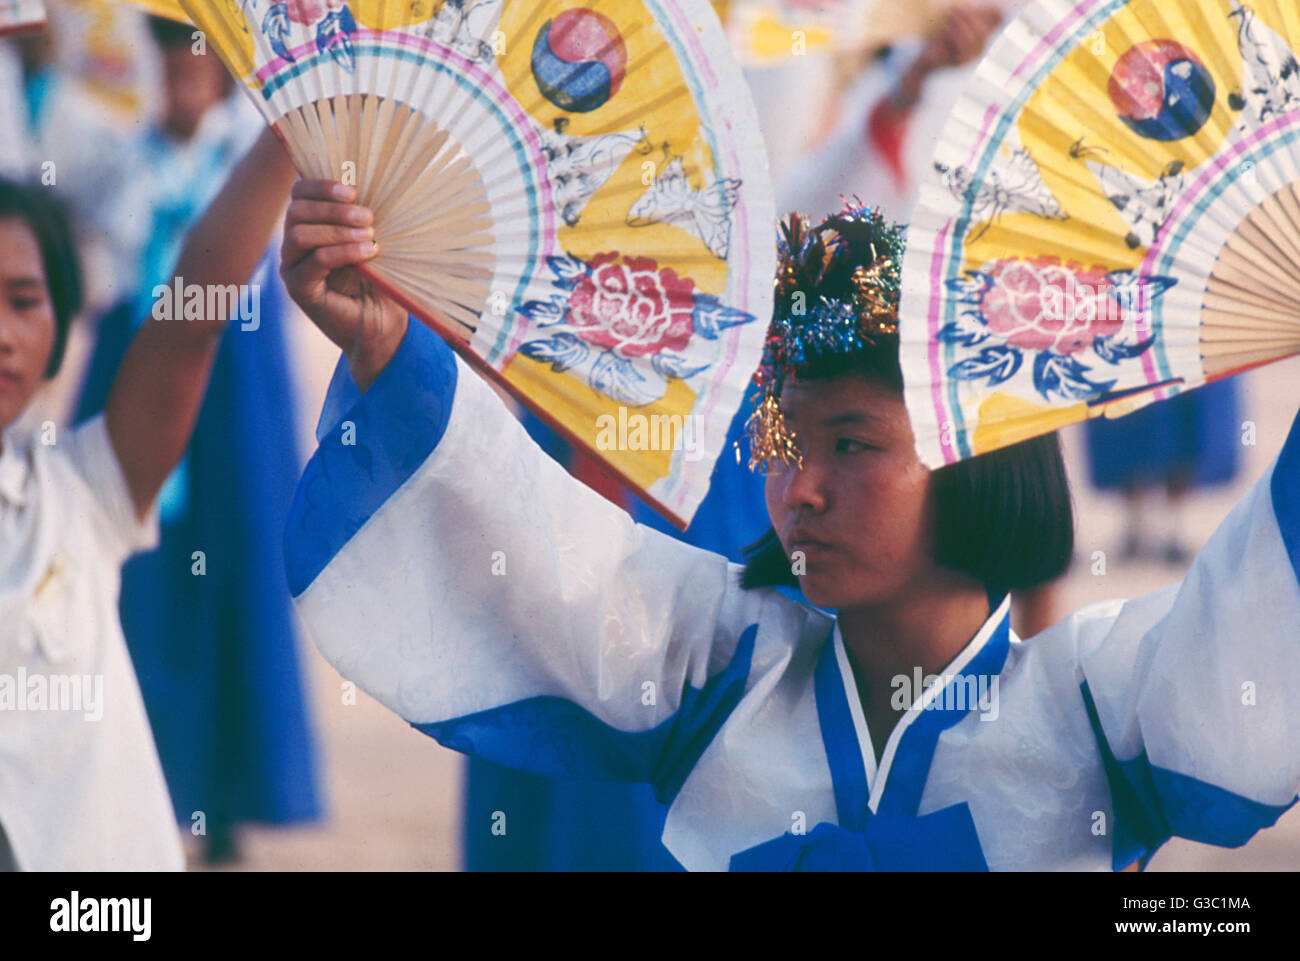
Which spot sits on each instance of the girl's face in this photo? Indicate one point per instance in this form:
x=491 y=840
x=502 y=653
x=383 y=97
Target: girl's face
x=192 y=85
x=27 y=324
x=858 y=513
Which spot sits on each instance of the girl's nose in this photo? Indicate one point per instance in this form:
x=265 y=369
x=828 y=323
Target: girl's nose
x=806 y=487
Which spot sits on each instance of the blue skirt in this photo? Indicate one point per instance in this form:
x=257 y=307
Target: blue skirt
x=1197 y=432
x=216 y=654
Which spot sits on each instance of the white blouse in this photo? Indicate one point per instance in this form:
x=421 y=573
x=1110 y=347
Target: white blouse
x=81 y=787
x=604 y=649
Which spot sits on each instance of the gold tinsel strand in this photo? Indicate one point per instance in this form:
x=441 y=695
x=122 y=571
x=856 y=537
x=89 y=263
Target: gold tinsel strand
x=871 y=297
x=770 y=440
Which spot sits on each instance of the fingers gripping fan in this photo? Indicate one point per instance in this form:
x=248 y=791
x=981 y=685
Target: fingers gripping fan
x=576 y=196
x=1113 y=217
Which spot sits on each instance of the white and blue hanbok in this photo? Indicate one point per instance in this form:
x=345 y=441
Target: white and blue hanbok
x=458 y=574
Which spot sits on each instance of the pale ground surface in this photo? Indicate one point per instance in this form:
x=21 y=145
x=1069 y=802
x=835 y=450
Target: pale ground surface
x=393 y=795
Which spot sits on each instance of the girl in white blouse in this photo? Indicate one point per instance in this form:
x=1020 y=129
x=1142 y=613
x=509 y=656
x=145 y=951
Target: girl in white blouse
x=80 y=783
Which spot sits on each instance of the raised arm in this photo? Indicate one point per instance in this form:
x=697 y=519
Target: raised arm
x=1193 y=691
x=325 y=233
x=159 y=388
x=447 y=566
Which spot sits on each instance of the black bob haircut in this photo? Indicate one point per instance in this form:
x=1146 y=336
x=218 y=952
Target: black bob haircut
x=1004 y=517
x=169 y=33
x=48 y=222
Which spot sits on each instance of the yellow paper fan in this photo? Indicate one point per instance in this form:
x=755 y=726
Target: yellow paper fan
x=575 y=195
x=1113 y=216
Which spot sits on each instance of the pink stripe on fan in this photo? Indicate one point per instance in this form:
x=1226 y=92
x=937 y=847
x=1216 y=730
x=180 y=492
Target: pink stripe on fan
x=937 y=288
x=932 y=341
x=1049 y=39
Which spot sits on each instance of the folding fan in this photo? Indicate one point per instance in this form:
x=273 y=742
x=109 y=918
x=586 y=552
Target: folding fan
x=1112 y=217
x=769 y=31
x=574 y=194
x=21 y=16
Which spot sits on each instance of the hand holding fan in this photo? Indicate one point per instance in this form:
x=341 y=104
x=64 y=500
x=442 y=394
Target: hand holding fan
x=1113 y=216
x=575 y=195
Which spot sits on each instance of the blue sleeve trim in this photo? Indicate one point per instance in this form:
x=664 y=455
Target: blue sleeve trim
x=1285 y=488
x=382 y=440
x=1202 y=812
x=341 y=397
x=1139 y=828
x=1153 y=804
x=558 y=738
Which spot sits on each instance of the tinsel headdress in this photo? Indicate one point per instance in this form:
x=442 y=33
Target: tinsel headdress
x=837 y=291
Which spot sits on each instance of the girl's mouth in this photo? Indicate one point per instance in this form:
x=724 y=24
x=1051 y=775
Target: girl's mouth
x=806 y=544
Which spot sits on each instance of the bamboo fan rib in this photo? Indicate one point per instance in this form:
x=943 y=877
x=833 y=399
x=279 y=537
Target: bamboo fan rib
x=433 y=221
x=574 y=194
x=1239 y=326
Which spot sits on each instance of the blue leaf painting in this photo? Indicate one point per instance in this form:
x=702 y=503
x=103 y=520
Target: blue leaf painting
x=562 y=351
x=995 y=363
x=567 y=271
x=276 y=27
x=1065 y=376
x=674 y=365
x=332 y=38
x=712 y=317
x=1113 y=351
x=618 y=378
x=544 y=313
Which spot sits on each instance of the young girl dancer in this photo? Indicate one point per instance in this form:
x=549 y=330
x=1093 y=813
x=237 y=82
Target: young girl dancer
x=911 y=731
x=80 y=783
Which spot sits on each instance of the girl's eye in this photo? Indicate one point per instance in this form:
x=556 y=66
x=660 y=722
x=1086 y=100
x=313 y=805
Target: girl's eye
x=847 y=445
x=26 y=303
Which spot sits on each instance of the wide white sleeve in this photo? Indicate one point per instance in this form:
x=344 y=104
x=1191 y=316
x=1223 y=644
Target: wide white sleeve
x=90 y=451
x=1193 y=691
x=455 y=572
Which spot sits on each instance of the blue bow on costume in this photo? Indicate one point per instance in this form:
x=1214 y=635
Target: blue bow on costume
x=892 y=838
x=943 y=841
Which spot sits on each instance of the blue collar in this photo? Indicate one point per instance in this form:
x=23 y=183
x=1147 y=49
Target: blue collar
x=891 y=836
x=907 y=768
